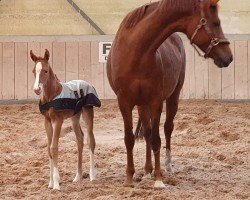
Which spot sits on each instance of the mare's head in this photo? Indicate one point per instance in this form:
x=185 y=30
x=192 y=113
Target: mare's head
x=205 y=31
x=41 y=71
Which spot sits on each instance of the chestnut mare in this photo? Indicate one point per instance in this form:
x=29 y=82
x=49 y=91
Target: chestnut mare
x=47 y=83
x=145 y=68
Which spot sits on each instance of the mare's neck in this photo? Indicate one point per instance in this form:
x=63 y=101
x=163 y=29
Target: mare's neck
x=159 y=25
x=51 y=88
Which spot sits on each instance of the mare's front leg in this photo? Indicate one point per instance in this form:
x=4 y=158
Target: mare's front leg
x=57 y=125
x=126 y=110
x=49 y=131
x=79 y=138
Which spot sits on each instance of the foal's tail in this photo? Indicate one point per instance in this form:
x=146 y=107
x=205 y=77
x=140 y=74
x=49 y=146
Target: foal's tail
x=138 y=130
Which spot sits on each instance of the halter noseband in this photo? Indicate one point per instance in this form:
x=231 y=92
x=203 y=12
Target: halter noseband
x=214 y=40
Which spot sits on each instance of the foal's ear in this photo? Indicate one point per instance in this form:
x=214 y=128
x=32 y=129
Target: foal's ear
x=33 y=56
x=46 y=55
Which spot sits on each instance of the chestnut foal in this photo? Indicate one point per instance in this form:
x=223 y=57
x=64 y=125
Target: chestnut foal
x=47 y=84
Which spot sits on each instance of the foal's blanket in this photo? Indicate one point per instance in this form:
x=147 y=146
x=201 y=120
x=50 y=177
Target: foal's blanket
x=75 y=95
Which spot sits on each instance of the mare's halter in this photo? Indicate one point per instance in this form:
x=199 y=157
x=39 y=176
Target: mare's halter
x=214 y=40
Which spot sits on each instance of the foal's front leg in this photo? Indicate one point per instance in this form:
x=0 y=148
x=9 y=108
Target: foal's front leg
x=49 y=131
x=57 y=125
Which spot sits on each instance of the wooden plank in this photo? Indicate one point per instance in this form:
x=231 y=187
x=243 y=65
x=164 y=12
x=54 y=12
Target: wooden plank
x=35 y=47
x=47 y=45
x=8 y=70
x=241 y=85
x=1 y=71
x=59 y=60
x=85 y=61
x=21 y=70
x=201 y=77
x=248 y=69
x=108 y=92
x=97 y=70
x=214 y=81
x=228 y=78
x=71 y=61
x=189 y=83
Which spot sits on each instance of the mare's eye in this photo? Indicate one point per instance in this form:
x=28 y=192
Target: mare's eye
x=45 y=71
x=216 y=24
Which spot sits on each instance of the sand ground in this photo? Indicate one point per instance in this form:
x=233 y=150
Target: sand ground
x=210 y=148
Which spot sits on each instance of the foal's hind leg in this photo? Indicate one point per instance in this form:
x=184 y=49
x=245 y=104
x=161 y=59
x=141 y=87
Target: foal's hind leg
x=144 y=115
x=79 y=137
x=88 y=116
x=171 y=110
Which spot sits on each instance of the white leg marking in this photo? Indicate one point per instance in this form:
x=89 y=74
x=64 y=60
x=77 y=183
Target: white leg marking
x=92 y=171
x=38 y=71
x=56 y=179
x=168 y=163
x=51 y=183
x=159 y=184
x=147 y=176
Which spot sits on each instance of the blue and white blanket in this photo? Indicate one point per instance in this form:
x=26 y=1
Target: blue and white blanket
x=75 y=95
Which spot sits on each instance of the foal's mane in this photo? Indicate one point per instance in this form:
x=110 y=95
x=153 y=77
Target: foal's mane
x=137 y=15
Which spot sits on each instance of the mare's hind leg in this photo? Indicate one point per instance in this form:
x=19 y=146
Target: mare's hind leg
x=79 y=137
x=155 y=110
x=88 y=116
x=171 y=110
x=144 y=115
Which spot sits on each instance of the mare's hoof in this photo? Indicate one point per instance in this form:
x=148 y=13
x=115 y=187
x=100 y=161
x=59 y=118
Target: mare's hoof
x=159 y=185
x=126 y=184
x=147 y=176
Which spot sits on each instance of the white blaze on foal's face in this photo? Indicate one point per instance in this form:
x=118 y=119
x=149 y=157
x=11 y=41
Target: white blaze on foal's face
x=38 y=69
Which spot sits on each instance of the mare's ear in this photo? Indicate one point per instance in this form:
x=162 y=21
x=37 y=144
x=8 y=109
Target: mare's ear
x=33 y=56
x=46 y=55
x=214 y=2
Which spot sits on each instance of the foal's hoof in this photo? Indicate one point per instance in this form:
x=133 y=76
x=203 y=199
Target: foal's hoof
x=159 y=185
x=92 y=175
x=78 y=178
x=57 y=187
x=51 y=185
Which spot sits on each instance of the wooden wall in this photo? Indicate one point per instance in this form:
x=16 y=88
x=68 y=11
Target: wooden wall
x=78 y=59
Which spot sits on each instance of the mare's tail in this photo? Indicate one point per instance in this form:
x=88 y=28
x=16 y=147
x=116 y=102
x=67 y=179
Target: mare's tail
x=138 y=130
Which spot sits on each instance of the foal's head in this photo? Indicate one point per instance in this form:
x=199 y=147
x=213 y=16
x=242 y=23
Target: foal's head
x=205 y=31
x=41 y=71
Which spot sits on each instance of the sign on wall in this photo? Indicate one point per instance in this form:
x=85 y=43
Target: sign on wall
x=104 y=48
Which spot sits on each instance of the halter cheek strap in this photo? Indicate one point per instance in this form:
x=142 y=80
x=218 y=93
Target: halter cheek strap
x=214 y=41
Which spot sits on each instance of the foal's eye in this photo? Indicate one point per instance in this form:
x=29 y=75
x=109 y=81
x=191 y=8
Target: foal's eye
x=45 y=71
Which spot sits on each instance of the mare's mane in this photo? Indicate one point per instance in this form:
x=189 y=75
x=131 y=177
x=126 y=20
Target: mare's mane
x=138 y=14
